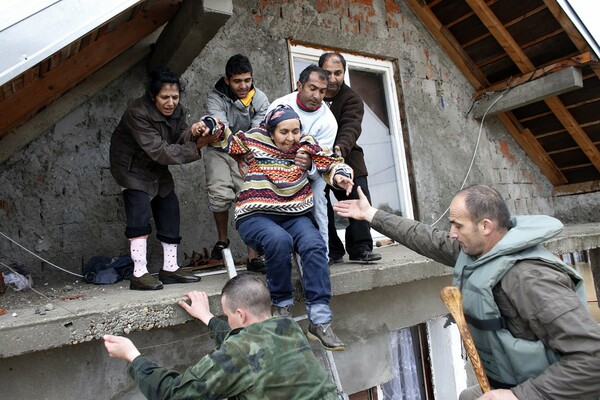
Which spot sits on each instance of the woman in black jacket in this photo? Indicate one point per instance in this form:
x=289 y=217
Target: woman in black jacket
x=153 y=134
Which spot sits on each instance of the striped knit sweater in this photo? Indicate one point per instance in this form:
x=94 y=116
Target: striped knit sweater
x=274 y=184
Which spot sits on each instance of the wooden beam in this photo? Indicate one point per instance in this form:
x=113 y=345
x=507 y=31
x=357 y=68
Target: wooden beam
x=530 y=92
x=576 y=131
x=533 y=148
x=504 y=38
x=31 y=99
x=580 y=60
x=577 y=188
x=447 y=41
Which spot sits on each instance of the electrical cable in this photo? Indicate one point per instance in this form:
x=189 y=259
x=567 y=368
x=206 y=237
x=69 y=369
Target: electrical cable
x=474 y=150
x=44 y=260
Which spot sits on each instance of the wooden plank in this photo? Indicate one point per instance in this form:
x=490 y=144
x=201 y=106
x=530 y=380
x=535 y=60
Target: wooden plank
x=448 y=43
x=580 y=60
x=572 y=126
x=501 y=34
x=576 y=188
x=530 y=92
x=35 y=96
x=533 y=148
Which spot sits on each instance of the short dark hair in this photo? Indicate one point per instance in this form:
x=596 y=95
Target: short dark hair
x=326 y=56
x=160 y=76
x=237 y=64
x=484 y=202
x=249 y=292
x=305 y=74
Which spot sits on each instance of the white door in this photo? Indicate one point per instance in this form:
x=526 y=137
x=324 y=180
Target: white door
x=381 y=137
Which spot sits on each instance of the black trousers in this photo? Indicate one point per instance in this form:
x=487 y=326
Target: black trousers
x=358 y=233
x=165 y=210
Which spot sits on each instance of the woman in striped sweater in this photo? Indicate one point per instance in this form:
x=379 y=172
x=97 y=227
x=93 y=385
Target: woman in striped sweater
x=273 y=212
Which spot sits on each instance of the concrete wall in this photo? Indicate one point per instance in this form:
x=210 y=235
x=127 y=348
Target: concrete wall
x=59 y=199
x=363 y=318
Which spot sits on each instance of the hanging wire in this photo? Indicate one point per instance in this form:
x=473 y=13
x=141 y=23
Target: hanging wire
x=43 y=259
x=474 y=150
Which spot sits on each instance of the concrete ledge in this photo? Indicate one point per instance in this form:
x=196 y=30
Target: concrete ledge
x=117 y=310
x=575 y=238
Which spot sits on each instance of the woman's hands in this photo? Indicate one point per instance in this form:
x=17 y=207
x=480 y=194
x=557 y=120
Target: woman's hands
x=203 y=134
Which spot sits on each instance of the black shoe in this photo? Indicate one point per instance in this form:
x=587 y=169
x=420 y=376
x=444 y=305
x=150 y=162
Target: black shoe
x=217 y=251
x=177 y=276
x=366 y=256
x=324 y=334
x=144 y=282
x=256 y=265
x=336 y=260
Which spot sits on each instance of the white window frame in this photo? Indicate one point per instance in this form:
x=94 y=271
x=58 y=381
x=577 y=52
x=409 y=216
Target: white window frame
x=385 y=67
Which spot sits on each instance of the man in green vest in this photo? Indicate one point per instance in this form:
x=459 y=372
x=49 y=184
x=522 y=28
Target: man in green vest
x=257 y=356
x=525 y=308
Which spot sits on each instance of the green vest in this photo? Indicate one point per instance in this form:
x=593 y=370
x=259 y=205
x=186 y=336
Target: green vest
x=507 y=360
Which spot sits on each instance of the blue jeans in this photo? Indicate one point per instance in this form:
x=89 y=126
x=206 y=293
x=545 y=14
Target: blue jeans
x=278 y=237
x=318 y=186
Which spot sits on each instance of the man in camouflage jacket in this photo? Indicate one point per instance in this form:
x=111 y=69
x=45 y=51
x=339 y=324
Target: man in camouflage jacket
x=257 y=356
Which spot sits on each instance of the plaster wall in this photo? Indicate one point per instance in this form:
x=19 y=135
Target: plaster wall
x=364 y=319
x=59 y=199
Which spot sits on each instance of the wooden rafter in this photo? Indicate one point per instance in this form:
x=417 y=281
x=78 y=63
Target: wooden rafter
x=580 y=60
x=569 y=28
x=449 y=44
x=533 y=148
x=33 y=97
x=525 y=65
x=501 y=34
x=572 y=126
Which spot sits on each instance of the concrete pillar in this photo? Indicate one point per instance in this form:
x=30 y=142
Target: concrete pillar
x=184 y=37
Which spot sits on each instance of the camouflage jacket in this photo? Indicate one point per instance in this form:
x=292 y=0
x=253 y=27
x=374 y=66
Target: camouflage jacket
x=267 y=360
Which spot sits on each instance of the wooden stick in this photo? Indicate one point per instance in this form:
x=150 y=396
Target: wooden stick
x=452 y=299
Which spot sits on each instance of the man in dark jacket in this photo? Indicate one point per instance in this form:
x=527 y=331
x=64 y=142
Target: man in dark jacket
x=348 y=109
x=525 y=308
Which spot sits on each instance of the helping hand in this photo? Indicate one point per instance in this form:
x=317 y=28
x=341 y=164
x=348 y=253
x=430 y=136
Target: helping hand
x=356 y=209
x=344 y=182
x=303 y=160
x=199 y=308
x=120 y=347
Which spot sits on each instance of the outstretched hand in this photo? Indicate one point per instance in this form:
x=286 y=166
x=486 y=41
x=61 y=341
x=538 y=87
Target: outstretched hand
x=359 y=209
x=344 y=182
x=120 y=347
x=199 y=307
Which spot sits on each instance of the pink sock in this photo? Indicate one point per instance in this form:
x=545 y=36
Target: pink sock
x=137 y=248
x=170 y=257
